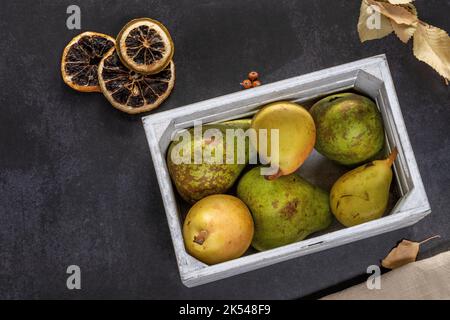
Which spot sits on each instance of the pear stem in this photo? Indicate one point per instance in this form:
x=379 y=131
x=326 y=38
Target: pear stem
x=392 y=156
x=201 y=237
x=430 y=238
x=274 y=176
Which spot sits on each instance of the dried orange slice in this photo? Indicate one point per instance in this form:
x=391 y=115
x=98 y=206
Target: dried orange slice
x=144 y=45
x=80 y=59
x=130 y=91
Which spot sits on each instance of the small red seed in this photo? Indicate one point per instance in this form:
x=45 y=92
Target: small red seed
x=256 y=83
x=253 y=75
x=247 y=84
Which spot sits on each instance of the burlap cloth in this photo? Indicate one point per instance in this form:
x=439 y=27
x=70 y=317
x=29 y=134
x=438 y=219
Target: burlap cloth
x=425 y=279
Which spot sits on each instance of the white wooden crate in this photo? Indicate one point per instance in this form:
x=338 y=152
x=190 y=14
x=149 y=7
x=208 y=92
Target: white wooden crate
x=370 y=76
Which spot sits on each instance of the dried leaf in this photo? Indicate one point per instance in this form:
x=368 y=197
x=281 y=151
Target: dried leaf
x=404 y=31
x=366 y=29
x=432 y=46
x=404 y=253
x=411 y=8
x=396 y=13
x=400 y=1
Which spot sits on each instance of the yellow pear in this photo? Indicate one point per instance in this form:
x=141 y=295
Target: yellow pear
x=362 y=194
x=218 y=228
x=296 y=133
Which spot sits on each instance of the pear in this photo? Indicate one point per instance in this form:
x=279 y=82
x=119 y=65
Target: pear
x=349 y=128
x=194 y=180
x=362 y=194
x=284 y=210
x=296 y=132
x=218 y=228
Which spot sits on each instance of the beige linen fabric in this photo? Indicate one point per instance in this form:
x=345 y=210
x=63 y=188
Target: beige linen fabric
x=425 y=279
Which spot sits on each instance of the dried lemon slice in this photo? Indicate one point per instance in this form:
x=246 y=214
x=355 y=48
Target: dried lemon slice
x=80 y=59
x=130 y=91
x=144 y=45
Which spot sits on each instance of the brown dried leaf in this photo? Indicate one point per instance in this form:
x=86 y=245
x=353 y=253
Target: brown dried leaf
x=404 y=253
x=366 y=33
x=398 y=14
x=400 y=1
x=432 y=46
x=411 y=8
x=404 y=31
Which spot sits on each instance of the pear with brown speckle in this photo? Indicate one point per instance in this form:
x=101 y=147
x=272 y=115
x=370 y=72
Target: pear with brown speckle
x=210 y=171
x=285 y=210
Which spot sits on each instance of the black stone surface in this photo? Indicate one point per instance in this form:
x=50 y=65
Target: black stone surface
x=77 y=184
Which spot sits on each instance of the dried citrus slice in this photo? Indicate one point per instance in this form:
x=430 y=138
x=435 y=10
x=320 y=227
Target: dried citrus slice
x=80 y=59
x=145 y=46
x=130 y=91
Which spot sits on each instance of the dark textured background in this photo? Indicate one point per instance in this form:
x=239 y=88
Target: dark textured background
x=77 y=184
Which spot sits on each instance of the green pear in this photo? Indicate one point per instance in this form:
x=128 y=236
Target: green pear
x=284 y=210
x=196 y=180
x=349 y=128
x=362 y=194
